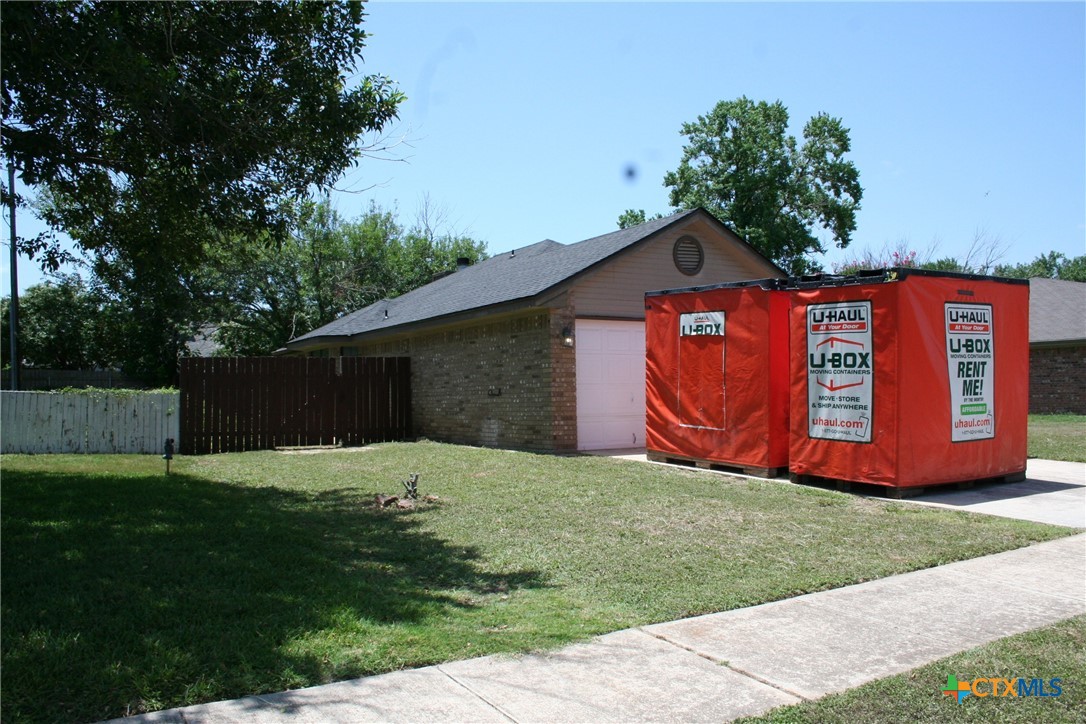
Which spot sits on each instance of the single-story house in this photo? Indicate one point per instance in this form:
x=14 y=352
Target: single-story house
x=542 y=347
x=1057 y=346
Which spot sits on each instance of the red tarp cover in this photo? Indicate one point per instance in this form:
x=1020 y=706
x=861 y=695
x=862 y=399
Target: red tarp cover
x=916 y=381
x=717 y=375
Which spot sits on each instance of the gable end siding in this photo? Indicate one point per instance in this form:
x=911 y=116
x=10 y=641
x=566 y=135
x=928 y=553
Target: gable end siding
x=617 y=290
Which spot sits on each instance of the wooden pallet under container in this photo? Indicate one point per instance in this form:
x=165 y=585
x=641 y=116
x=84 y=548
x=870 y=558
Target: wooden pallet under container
x=720 y=466
x=896 y=492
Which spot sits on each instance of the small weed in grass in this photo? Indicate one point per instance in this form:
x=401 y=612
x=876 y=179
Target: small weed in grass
x=127 y=591
x=1053 y=652
x=1058 y=437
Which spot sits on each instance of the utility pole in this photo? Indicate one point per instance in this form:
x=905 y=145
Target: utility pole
x=14 y=306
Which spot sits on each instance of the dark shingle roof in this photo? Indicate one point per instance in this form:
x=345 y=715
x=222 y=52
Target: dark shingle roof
x=1057 y=310
x=507 y=277
x=203 y=343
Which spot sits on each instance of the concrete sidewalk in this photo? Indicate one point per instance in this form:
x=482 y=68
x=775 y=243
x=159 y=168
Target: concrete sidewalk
x=716 y=667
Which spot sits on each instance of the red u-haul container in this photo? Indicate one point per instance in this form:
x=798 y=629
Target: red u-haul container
x=907 y=378
x=716 y=371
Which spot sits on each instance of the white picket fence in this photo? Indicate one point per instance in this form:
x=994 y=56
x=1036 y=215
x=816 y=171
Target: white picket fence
x=87 y=422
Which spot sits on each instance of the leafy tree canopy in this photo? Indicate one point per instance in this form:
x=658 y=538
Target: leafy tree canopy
x=740 y=163
x=329 y=267
x=61 y=325
x=980 y=257
x=138 y=312
x=1052 y=265
x=635 y=217
x=142 y=120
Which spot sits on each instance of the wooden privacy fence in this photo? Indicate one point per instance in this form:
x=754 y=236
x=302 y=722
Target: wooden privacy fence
x=233 y=404
x=87 y=422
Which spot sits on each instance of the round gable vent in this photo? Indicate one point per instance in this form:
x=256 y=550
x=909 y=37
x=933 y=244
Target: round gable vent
x=688 y=255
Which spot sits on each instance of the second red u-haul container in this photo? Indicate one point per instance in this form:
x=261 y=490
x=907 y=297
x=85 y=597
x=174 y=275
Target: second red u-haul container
x=909 y=378
x=716 y=371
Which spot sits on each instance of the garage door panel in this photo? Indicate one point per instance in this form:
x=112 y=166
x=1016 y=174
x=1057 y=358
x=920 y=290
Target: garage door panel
x=617 y=341
x=607 y=434
x=633 y=372
x=593 y=375
x=610 y=384
x=590 y=340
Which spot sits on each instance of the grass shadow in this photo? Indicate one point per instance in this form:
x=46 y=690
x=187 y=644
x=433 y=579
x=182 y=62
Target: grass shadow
x=129 y=593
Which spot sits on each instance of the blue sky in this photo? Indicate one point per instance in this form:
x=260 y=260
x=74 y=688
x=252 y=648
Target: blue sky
x=522 y=119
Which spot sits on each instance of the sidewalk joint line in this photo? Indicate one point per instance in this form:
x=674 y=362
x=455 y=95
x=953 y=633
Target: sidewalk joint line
x=476 y=694
x=725 y=664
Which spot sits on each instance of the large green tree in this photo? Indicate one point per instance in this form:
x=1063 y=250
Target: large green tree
x=175 y=114
x=329 y=267
x=156 y=303
x=783 y=196
x=61 y=325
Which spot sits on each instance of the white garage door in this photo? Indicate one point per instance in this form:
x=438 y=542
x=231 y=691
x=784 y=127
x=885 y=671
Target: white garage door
x=610 y=384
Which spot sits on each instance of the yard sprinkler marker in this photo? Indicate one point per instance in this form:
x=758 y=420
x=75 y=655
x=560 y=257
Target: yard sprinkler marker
x=168 y=453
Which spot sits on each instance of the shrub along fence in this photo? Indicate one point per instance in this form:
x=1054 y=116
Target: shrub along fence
x=37 y=378
x=87 y=421
x=233 y=404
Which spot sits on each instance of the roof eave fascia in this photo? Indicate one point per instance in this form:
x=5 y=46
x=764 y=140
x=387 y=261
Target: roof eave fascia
x=542 y=300
x=311 y=343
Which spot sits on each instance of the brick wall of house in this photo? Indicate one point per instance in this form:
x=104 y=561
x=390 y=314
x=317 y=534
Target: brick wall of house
x=490 y=383
x=563 y=383
x=1057 y=380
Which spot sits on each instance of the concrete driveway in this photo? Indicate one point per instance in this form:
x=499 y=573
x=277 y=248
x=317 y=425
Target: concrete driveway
x=1053 y=492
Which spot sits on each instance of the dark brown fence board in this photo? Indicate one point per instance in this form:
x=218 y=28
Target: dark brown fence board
x=217 y=402
x=185 y=411
x=369 y=404
x=222 y=406
x=207 y=416
x=238 y=410
x=260 y=404
x=345 y=403
x=244 y=403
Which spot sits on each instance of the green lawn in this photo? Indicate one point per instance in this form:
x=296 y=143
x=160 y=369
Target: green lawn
x=1057 y=651
x=1058 y=437
x=127 y=591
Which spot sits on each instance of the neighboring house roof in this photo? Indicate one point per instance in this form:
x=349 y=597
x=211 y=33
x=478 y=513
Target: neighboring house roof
x=202 y=343
x=1057 y=311
x=507 y=277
